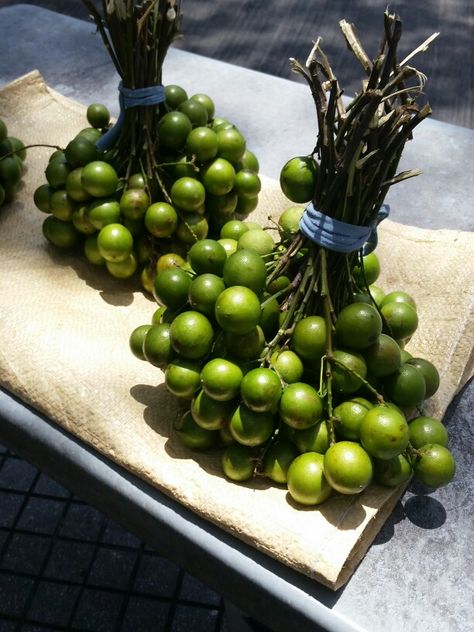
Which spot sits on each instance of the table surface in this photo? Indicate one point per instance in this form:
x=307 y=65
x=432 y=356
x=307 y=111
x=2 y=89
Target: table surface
x=417 y=574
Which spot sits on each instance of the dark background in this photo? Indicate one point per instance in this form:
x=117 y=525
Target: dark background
x=263 y=34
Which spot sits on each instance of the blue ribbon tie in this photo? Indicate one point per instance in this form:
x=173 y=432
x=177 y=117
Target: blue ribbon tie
x=130 y=98
x=338 y=236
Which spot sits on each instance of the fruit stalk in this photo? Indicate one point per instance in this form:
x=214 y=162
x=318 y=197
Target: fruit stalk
x=356 y=156
x=137 y=37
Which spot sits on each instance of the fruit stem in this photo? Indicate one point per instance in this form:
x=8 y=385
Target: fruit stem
x=303 y=287
x=326 y=360
x=17 y=151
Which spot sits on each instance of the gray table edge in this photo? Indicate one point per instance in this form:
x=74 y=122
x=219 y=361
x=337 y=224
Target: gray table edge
x=242 y=574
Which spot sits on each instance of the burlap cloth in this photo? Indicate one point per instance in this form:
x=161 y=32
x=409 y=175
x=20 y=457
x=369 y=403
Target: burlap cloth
x=64 y=330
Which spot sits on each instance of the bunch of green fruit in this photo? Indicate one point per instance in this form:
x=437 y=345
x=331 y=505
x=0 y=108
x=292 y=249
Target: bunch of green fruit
x=167 y=174
x=286 y=352
x=12 y=155
x=207 y=175
x=263 y=398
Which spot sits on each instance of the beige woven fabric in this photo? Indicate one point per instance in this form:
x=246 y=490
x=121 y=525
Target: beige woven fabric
x=64 y=330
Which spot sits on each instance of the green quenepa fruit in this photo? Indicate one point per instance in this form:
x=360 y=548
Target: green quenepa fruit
x=297 y=179
x=277 y=460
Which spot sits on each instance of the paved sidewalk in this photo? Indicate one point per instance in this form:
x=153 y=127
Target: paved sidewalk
x=66 y=566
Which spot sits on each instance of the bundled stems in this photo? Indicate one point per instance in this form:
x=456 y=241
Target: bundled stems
x=357 y=153
x=358 y=147
x=137 y=36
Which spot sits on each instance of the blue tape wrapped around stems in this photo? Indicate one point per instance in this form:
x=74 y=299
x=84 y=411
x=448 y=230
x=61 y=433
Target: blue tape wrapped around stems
x=338 y=236
x=130 y=98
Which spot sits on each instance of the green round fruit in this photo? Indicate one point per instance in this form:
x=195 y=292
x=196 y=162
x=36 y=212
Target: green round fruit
x=136 y=341
x=191 y=335
x=203 y=293
x=173 y=130
x=134 y=203
x=247 y=346
x=300 y=406
x=221 y=379
x=270 y=317
x=258 y=240
x=221 y=206
x=383 y=357
x=161 y=219
x=10 y=170
x=261 y=390
x=80 y=151
x=207 y=255
x=425 y=430
x=210 y=413
x=289 y=221
x=249 y=161
x=312 y=439
x=98 y=115
x=123 y=269
x=247 y=183
x=348 y=367
x=434 y=466
x=288 y=365
x=74 y=187
x=238 y=462
x=99 y=179
x=367 y=273
x=230 y=245
x=245 y=268
x=171 y=287
x=307 y=483
x=193 y=436
x=115 y=242
x=384 y=432
x=218 y=177
x=277 y=460
x=207 y=102
x=188 y=194
x=61 y=205
x=348 y=467
x=202 y=143
x=358 y=326
x=91 y=251
x=61 y=234
x=230 y=145
x=192 y=228
x=309 y=339
x=401 y=318
x=251 y=428
x=233 y=229
x=182 y=377
x=405 y=387
x=175 y=95
x=392 y=472
x=237 y=310
x=297 y=179
x=103 y=212
x=349 y=416
x=42 y=197
x=397 y=296
x=156 y=347
x=430 y=373
x=195 y=111
x=56 y=173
